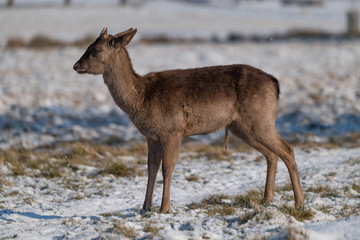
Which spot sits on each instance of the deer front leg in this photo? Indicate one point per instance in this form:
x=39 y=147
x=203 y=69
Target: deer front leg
x=155 y=153
x=171 y=151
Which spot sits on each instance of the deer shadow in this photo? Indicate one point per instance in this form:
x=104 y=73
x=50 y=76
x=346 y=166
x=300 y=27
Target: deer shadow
x=25 y=214
x=56 y=124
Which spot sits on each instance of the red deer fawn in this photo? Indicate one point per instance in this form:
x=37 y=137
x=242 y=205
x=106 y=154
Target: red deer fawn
x=170 y=105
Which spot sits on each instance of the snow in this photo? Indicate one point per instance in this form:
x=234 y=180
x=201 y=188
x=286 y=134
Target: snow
x=43 y=101
x=55 y=212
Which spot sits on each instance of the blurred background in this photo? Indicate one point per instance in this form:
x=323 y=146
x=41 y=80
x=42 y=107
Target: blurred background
x=72 y=19
x=311 y=46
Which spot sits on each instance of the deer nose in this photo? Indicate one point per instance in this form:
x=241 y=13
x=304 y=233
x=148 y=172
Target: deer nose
x=76 y=66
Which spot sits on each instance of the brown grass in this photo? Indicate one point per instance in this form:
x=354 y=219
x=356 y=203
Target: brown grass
x=356 y=187
x=353 y=161
x=193 y=178
x=67 y=157
x=41 y=41
x=284 y=188
x=324 y=191
x=120 y=169
x=300 y=214
x=152 y=227
x=207 y=151
x=224 y=205
x=110 y=214
x=119 y=227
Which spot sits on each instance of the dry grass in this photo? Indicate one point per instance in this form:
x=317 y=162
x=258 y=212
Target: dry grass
x=120 y=228
x=207 y=151
x=224 y=205
x=250 y=200
x=67 y=157
x=353 y=161
x=245 y=217
x=110 y=214
x=324 y=191
x=214 y=204
x=41 y=41
x=152 y=227
x=250 y=205
x=120 y=169
x=300 y=214
x=325 y=209
x=350 y=141
x=193 y=178
x=356 y=187
x=284 y=188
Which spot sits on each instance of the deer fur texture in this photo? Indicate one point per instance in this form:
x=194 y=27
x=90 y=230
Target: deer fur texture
x=170 y=105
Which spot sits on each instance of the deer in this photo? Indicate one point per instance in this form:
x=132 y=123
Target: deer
x=167 y=106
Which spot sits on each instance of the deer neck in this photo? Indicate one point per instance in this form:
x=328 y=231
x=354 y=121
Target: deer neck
x=125 y=86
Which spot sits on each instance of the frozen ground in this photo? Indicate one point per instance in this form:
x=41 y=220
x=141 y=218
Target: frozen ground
x=81 y=205
x=44 y=102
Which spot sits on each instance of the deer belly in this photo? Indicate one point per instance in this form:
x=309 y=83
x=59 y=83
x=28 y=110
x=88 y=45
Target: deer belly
x=206 y=120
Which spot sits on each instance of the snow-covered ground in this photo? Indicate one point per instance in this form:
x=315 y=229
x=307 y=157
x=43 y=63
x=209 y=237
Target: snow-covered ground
x=82 y=205
x=43 y=101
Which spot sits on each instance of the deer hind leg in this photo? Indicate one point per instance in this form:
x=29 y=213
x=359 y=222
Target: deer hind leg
x=267 y=140
x=171 y=151
x=271 y=159
x=286 y=153
x=155 y=153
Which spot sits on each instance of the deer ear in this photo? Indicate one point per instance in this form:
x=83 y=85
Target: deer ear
x=122 y=39
x=103 y=33
x=127 y=37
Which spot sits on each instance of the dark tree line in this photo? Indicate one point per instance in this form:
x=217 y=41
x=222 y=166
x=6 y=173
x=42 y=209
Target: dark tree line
x=10 y=3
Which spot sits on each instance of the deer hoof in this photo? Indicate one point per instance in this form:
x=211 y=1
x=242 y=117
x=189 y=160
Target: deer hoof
x=266 y=201
x=144 y=211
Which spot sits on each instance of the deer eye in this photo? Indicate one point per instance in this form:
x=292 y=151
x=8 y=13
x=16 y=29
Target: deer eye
x=95 y=54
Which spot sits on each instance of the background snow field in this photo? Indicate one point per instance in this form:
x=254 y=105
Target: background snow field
x=72 y=166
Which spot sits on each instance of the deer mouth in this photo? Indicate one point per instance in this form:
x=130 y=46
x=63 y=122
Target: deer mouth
x=81 y=71
x=77 y=67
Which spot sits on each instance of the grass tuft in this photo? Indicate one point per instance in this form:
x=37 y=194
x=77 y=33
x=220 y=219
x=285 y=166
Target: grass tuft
x=245 y=217
x=193 y=178
x=215 y=204
x=120 y=228
x=299 y=214
x=250 y=200
x=325 y=209
x=152 y=228
x=110 y=214
x=224 y=205
x=207 y=151
x=61 y=160
x=356 y=187
x=324 y=191
x=284 y=188
x=119 y=169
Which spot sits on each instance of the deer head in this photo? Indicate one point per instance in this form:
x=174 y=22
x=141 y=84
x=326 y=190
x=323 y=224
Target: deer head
x=101 y=53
